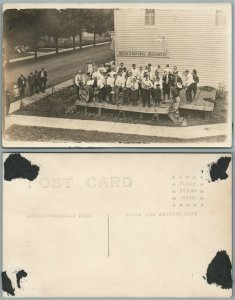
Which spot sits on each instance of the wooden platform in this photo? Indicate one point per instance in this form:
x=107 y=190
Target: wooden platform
x=162 y=110
x=204 y=101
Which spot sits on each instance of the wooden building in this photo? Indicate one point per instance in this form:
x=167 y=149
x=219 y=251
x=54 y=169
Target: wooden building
x=190 y=36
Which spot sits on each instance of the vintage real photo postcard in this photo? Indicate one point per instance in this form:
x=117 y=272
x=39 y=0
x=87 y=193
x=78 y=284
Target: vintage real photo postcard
x=117 y=75
x=117 y=225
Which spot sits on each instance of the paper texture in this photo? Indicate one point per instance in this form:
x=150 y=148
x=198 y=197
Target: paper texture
x=116 y=225
x=185 y=36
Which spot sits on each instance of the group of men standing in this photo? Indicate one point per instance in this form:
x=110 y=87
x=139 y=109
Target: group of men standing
x=36 y=82
x=120 y=85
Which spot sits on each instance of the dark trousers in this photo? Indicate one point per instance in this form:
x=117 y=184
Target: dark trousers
x=78 y=90
x=140 y=93
x=194 y=89
x=124 y=95
x=157 y=95
x=102 y=94
x=43 y=84
x=128 y=95
x=109 y=97
x=134 y=96
x=146 y=97
x=22 y=91
x=37 y=87
x=31 y=89
x=166 y=90
x=189 y=93
x=117 y=91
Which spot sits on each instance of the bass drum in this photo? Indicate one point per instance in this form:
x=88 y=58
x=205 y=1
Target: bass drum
x=86 y=93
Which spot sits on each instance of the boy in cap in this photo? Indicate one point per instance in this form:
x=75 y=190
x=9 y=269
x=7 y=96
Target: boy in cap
x=157 y=90
x=146 y=85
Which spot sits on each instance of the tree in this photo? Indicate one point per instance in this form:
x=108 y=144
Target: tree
x=99 y=21
x=73 y=24
x=51 y=22
x=23 y=27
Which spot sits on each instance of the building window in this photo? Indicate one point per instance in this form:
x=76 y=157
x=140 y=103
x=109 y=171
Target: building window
x=220 y=18
x=149 y=17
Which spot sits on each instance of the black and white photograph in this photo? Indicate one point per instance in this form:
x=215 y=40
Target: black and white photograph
x=118 y=75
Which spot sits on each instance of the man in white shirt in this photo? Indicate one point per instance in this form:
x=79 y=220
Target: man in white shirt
x=128 y=86
x=109 y=88
x=146 y=85
x=101 y=86
x=102 y=68
x=79 y=81
x=96 y=74
x=167 y=69
x=89 y=87
x=151 y=74
x=113 y=71
x=157 y=71
x=176 y=72
x=135 y=71
x=119 y=84
x=134 y=91
x=189 y=85
x=140 y=79
x=121 y=66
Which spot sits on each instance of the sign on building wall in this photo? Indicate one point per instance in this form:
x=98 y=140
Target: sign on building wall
x=160 y=49
x=143 y=53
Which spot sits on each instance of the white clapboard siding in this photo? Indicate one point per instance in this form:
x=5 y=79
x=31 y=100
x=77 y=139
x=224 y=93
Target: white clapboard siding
x=192 y=37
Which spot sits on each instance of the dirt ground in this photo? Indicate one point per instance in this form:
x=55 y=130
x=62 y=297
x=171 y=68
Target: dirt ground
x=56 y=105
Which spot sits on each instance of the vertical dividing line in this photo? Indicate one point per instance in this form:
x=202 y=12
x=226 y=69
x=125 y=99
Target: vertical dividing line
x=108 y=235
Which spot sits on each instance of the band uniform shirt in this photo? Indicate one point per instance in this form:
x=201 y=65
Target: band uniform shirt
x=110 y=81
x=119 y=81
x=135 y=86
x=129 y=82
x=146 y=84
x=189 y=79
x=101 y=82
x=135 y=72
x=96 y=75
x=102 y=69
x=112 y=73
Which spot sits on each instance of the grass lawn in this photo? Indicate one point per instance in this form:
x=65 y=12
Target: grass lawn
x=55 y=105
x=25 y=133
